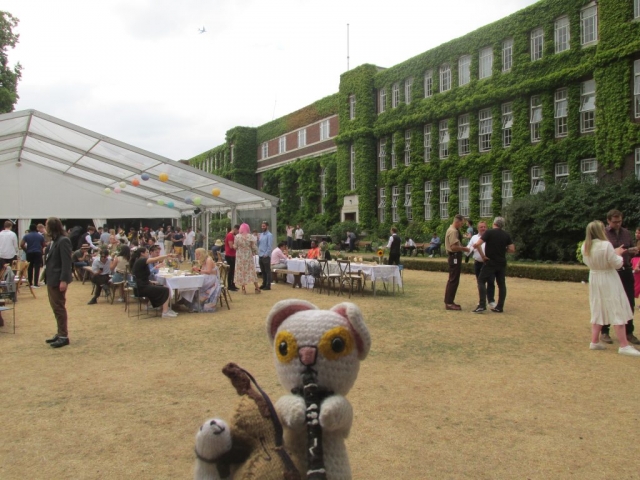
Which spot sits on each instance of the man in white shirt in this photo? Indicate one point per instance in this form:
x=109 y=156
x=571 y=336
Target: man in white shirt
x=299 y=234
x=88 y=239
x=478 y=264
x=189 y=242
x=408 y=247
x=8 y=243
x=105 y=236
x=101 y=268
x=279 y=256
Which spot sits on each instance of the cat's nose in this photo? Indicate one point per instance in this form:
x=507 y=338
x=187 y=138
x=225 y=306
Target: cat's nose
x=307 y=356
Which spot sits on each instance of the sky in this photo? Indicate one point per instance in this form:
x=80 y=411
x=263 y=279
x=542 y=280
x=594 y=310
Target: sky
x=140 y=72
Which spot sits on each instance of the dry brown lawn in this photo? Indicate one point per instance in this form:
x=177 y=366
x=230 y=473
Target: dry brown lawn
x=442 y=395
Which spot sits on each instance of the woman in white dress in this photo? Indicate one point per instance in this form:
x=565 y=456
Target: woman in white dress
x=609 y=303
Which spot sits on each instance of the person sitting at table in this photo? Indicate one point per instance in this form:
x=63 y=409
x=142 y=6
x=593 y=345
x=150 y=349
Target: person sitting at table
x=217 y=247
x=101 y=273
x=154 y=268
x=279 y=256
x=80 y=259
x=314 y=251
x=434 y=246
x=210 y=290
x=408 y=247
x=157 y=295
x=119 y=266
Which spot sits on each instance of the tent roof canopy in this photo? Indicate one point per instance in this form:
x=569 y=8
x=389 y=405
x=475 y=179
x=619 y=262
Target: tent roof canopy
x=32 y=137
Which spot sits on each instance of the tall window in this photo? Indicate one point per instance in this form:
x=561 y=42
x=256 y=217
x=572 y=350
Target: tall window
x=324 y=130
x=427 y=198
x=561 y=112
x=323 y=188
x=408 y=85
x=464 y=70
x=562 y=174
x=394 y=204
x=232 y=153
x=302 y=138
x=463 y=134
x=393 y=151
x=428 y=83
x=537 y=180
x=427 y=142
x=395 y=95
x=637 y=163
x=444 y=138
x=486 y=62
x=407 y=202
x=589 y=24
x=636 y=8
x=537 y=44
x=588 y=106
x=444 y=199
x=507 y=124
x=486 y=129
x=407 y=147
x=463 y=196
x=636 y=86
x=265 y=149
x=561 y=37
x=382 y=153
x=382 y=101
x=382 y=204
x=507 y=188
x=536 y=118
x=352 y=167
x=445 y=77
x=507 y=54
x=486 y=194
x=352 y=107
x=282 y=144
x=589 y=170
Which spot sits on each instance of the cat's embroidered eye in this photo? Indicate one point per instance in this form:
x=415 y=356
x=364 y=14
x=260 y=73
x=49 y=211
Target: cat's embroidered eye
x=286 y=346
x=283 y=348
x=336 y=343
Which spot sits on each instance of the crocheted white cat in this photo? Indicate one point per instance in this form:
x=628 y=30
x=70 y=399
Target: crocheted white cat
x=317 y=357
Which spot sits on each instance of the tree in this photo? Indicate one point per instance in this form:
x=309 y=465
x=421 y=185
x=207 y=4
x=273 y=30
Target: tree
x=8 y=76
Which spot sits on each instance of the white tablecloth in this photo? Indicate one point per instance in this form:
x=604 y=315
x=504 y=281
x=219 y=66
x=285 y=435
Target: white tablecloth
x=186 y=285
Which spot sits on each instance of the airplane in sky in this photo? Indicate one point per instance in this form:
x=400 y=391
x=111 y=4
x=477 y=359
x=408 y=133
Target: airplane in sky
x=202 y=30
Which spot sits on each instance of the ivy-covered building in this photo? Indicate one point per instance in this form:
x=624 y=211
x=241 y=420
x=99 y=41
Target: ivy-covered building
x=547 y=95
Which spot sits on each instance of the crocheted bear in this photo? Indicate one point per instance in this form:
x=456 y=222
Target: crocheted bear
x=317 y=358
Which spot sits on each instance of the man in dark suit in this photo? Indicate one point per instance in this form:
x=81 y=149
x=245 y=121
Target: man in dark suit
x=58 y=277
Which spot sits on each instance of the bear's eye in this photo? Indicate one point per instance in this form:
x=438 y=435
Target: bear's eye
x=336 y=343
x=286 y=346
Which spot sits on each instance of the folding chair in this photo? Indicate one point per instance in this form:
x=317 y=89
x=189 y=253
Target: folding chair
x=346 y=276
x=224 y=293
x=132 y=292
x=22 y=268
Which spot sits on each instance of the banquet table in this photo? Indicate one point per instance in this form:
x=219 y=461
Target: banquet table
x=186 y=285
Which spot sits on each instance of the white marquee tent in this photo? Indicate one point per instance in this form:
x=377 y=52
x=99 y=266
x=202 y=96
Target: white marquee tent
x=50 y=167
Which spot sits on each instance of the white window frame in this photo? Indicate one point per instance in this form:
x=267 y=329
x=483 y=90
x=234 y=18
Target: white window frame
x=561 y=112
x=485 y=129
x=443 y=147
x=589 y=170
x=636 y=86
x=444 y=198
x=302 y=138
x=407 y=202
x=394 y=161
x=562 y=174
x=427 y=143
x=325 y=132
x=445 y=77
x=323 y=187
x=464 y=70
x=507 y=124
x=408 y=86
x=485 y=67
x=562 y=34
x=382 y=154
x=537 y=44
x=589 y=25
x=428 y=83
x=537 y=180
x=395 y=197
x=463 y=196
x=382 y=204
x=507 y=187
x=395 y=95
x=352 y=167
x=382 y=100
x=463 y=135
x=352 y=107
x=282 y=144
x=265 y=150
x=407 y=147
x=588 y=106
x=637 y=163
x=636 y=9
x=486 y=195
x=536 y=118
x=427 y=200
x=507 y=54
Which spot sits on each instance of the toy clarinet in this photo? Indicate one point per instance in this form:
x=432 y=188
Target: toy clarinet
x=312 y=399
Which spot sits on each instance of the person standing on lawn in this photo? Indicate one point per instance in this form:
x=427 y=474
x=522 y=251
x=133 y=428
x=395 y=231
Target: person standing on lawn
x=265 y=248
x=230 y=257
x=453 y=245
